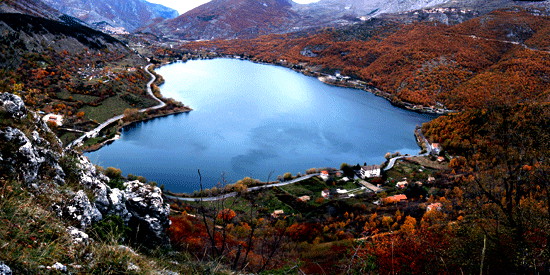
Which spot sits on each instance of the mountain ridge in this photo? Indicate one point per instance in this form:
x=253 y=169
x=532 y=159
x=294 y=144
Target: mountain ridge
x=223 y=19
x=129 y=14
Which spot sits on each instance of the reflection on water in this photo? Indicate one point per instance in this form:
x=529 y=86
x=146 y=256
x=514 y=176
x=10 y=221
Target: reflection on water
x=251 y=120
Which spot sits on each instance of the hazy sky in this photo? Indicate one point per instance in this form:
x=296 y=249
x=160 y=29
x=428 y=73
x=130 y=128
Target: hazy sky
x=184 y=5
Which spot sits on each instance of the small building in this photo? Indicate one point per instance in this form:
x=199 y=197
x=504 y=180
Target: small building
x=440 y=159
x=304 y=198
x=434 y=206
x=277 y=213
x=370 y=171
x=324 y=175
x=395 y=199
x=53 y=118
x=436 y=148
x=402 y=184
x=325 y=193
x=431 y=179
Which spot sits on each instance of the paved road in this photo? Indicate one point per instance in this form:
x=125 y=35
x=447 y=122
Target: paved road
x=233 y=194
x=508 y=42
x=392 y=161
x=96 y=130
x=371 y=186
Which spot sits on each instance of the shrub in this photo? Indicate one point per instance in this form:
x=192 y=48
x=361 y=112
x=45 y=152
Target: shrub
x=287 y=176
x=113 y=173
x=248 y=181
x=131 y=114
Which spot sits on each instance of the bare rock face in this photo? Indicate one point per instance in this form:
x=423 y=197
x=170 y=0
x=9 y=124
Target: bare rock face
x=78 y=236
x=4 y=269
x=149 y=212
x=139 y=205
x=23 y=152
x=30 y=157
x=12 y=106
x=29 y=150
x=108 y=201
x=79 y=209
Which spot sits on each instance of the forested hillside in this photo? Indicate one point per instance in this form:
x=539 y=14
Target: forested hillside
x=501 y=57
x=482 y=204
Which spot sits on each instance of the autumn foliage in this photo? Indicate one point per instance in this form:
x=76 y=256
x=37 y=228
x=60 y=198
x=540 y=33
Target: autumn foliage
x=499 y=58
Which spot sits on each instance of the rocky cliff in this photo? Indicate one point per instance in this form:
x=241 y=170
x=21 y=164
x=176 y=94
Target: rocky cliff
x=31 y=154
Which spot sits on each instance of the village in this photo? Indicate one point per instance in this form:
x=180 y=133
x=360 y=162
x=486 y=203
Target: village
x=382 y=187
x=400 y=182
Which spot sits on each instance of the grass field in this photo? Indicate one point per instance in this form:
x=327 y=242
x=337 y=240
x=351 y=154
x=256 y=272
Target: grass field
x=110 y=107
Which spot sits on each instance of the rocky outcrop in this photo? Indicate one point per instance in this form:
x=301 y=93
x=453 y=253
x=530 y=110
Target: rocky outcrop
x=78 y=236
x=140 y=205
x=80 y=210
x=4 y=269
x=149 y=212
x=12 y=106
x=31 y=151
x=29 y=156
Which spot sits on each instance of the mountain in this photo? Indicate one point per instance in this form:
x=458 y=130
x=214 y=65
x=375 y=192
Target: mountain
x=129 y=14
x=24 y=34
x=229 y=19
x=445 y=56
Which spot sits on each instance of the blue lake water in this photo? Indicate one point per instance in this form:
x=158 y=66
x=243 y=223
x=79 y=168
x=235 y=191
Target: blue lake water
x=252 y=120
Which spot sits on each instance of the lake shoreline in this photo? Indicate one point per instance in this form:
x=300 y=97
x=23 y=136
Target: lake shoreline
x=166 y=107
x=97 y=146
x=333 y=80
x=357 y=149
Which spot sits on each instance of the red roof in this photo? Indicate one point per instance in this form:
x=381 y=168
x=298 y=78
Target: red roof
x=395 y=198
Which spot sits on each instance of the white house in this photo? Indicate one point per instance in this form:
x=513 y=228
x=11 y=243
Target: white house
x=402 y=184
x=277 y=213
x=370 y=171
x=53 y=118
x=324 y=175
x=436 y=148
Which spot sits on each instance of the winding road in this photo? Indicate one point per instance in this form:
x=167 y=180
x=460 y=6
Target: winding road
x=233 y=194
x=508 y=42
x=94 y=132
x=392 y=161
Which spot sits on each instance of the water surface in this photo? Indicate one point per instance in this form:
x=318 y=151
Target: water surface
x=252 y=120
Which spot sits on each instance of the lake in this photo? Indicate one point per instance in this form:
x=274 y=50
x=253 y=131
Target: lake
x=254 y=120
